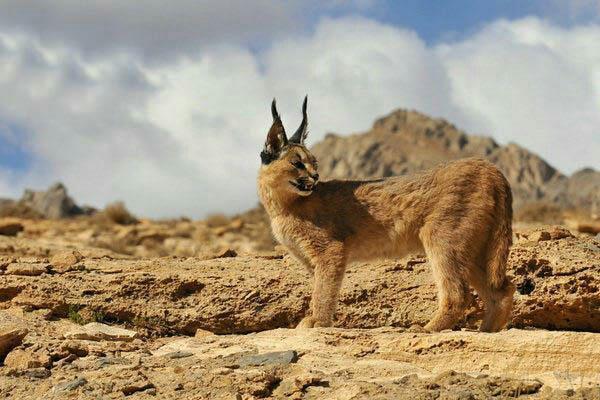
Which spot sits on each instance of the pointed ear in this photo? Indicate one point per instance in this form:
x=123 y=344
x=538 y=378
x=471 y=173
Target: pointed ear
x=300 y=134
x=276 y=138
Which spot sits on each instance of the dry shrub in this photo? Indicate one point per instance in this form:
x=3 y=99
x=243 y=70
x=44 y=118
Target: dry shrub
x=257 y=227
x=539 y=212
x=118 y=246
x=119 y=214
x=217 y=220
x=18 y=210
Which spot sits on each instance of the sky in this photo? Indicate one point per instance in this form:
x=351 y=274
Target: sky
x=167 y=107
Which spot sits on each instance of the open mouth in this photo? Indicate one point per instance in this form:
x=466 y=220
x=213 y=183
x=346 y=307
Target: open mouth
x=303 y=187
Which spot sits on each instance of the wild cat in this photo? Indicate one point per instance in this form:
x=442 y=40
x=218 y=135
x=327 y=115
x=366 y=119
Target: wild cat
x=459 y=214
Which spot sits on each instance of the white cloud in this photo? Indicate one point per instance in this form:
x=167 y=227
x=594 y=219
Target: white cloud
x=534 y=84
x=356 y=70
x=183 y=137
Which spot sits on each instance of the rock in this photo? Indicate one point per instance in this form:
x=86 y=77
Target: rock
x=544 y=234
x=26 y=269
x=53 y=203
x=34 y=373
x=179 y=354
x=221 y=230
x=558 y=232
x=202 y=333
x=98 y=331
x=182 y=247
x=10 y=337
x=187 y=345
x=138 y=386
x=219 y=253
x=236 y=224
x=75 y=347
x=8 y=228
x=592 y=227
x=70 y=385
x=66 y=260
x=221 y=371
x=107 y=361
x=276 y=357
x=227 y=253
x=524 y=387
x=539 y=236
x=293 y=387
x=28 y=358
x=404 y=364
x=67 y=360
x=152 y=236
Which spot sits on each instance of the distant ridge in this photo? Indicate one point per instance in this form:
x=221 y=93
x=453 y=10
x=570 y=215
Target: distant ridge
x=407 y=141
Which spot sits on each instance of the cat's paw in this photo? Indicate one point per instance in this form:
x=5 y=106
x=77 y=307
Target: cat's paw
x=307 y=322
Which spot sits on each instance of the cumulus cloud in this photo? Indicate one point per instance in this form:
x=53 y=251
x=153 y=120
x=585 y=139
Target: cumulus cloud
x=532 y=83
x=182 y=137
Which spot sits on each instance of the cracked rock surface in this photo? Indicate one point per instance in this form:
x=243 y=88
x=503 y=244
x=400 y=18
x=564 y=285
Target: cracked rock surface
x=557 y=283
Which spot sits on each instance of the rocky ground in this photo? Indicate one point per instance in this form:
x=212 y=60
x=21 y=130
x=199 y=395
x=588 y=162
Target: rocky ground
x=82 y=319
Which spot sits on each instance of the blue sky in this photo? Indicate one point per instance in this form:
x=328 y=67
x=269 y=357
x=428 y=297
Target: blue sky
x=158 y=106
x=442 y=20
x=436 y=21
x=13 y=154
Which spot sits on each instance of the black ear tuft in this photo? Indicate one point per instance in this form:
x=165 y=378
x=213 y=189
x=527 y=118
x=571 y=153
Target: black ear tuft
x=274 y=110
x=302 y=131
x=276 y=138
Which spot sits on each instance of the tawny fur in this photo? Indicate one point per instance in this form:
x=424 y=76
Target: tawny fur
x=459 y=214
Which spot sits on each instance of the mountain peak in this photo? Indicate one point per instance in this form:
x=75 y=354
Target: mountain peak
x=405 y=141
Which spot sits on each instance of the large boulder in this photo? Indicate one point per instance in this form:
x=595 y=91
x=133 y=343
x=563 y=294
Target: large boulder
x=12 y=332
x=10 y=228
x=53 y=203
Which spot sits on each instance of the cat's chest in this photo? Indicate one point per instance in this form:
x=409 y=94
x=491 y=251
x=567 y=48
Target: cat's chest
x=284 y=231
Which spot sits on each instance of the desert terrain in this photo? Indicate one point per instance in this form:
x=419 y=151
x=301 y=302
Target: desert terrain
x=99 y=304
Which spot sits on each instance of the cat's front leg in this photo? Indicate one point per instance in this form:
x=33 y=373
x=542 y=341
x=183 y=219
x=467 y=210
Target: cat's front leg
x=328 y=277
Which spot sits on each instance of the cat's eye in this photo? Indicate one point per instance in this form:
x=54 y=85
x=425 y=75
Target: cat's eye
x=298 y=164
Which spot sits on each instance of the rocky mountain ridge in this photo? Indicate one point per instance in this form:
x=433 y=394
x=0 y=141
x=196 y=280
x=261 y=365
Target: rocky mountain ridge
x=53 y=203
x=407 y=141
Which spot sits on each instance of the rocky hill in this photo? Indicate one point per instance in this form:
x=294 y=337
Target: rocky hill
x=54 y=203
x=407 y=141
